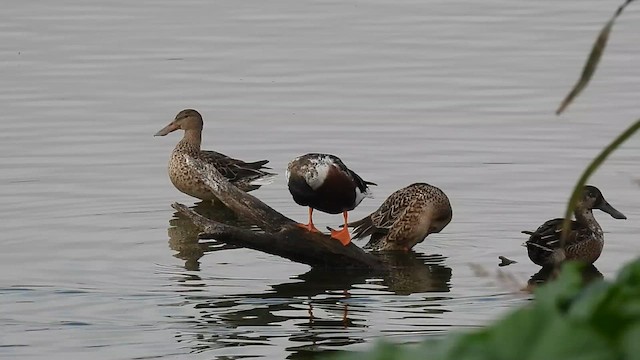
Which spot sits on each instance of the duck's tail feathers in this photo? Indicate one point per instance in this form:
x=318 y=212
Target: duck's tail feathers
x=263 y=180
x=364 y=227
x=260 y=164
x=362 y=185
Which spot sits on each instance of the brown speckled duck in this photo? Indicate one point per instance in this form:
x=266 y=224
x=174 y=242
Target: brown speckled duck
x=323 y=182
x=184 y=178
x=405 y=218
x=586 y=239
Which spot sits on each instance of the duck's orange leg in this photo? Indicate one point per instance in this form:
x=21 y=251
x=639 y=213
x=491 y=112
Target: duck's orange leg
x=345 y=313
x=310 y=227
x=342 y=235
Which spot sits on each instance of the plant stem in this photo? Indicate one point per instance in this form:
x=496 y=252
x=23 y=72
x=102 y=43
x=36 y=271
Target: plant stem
x=595 y=163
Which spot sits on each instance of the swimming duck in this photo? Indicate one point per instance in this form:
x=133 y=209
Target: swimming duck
x=184 y=178
x=405 y=218
x=583 y=243
x=323 y=182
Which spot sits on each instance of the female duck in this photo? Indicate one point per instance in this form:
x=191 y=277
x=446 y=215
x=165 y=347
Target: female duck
x=186 y=179
x=585 y=240
x=405 y=218
x=323 y=182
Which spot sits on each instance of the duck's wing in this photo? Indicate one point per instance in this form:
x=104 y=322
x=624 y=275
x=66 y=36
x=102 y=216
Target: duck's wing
x=547 y=236
x=235 y=169
x=362 y=184
x=378 y=223
x=403 y=226
x=365 y=227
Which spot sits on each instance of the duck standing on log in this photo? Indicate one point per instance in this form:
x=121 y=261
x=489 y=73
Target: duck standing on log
x=585 y=239
x=244 y=175
x=323 y=182
x=405 y=218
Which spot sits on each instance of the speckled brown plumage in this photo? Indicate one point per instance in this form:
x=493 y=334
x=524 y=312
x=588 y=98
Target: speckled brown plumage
x=405 y=218
x=585 y=240
x=184 y=178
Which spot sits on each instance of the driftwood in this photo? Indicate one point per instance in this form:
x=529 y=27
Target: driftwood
x=281 y=235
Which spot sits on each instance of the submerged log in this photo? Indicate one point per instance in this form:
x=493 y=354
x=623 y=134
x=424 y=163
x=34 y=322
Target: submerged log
x=281 y=235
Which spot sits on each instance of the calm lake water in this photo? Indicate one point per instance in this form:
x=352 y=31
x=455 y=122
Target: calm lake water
x=459 y=94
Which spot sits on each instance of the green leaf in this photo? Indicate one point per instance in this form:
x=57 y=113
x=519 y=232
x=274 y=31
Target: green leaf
x=630 y=273
x=631 y=343
x=521 y=330
x=562 y=339
x=561 y=291
x=565 y=321
x=469 y=346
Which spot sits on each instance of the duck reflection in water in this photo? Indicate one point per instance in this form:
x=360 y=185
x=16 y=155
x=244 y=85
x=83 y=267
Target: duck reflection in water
x=588 y=272
x=319 y=310
x=183 y=234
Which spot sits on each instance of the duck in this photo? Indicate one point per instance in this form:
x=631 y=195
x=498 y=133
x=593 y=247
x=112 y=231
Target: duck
x=245 y=175
x=323 y=182
x=585 y=240
x=405 y=218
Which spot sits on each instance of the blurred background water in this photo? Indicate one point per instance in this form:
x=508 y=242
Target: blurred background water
x=459 y=94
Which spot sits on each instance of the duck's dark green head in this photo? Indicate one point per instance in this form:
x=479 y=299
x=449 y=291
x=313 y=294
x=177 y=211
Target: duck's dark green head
x=592 y=199
x=187 y=119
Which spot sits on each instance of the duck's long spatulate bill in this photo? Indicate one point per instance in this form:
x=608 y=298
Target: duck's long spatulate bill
x=167 y=129
x=606 y=207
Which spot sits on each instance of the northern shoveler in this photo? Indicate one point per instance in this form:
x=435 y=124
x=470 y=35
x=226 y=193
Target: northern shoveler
x=323 y=182
x=405 y=218
x=583 y=243
x=184 y=178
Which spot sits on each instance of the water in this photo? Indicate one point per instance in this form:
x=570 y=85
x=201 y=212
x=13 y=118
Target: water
x=457 y=94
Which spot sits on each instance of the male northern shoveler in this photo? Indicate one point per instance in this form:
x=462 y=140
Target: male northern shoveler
x=184 y=178
x=405 y=218
x=323 y=182
x=583 y=243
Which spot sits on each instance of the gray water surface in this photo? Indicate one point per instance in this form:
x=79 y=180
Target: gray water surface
x=459 y=94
